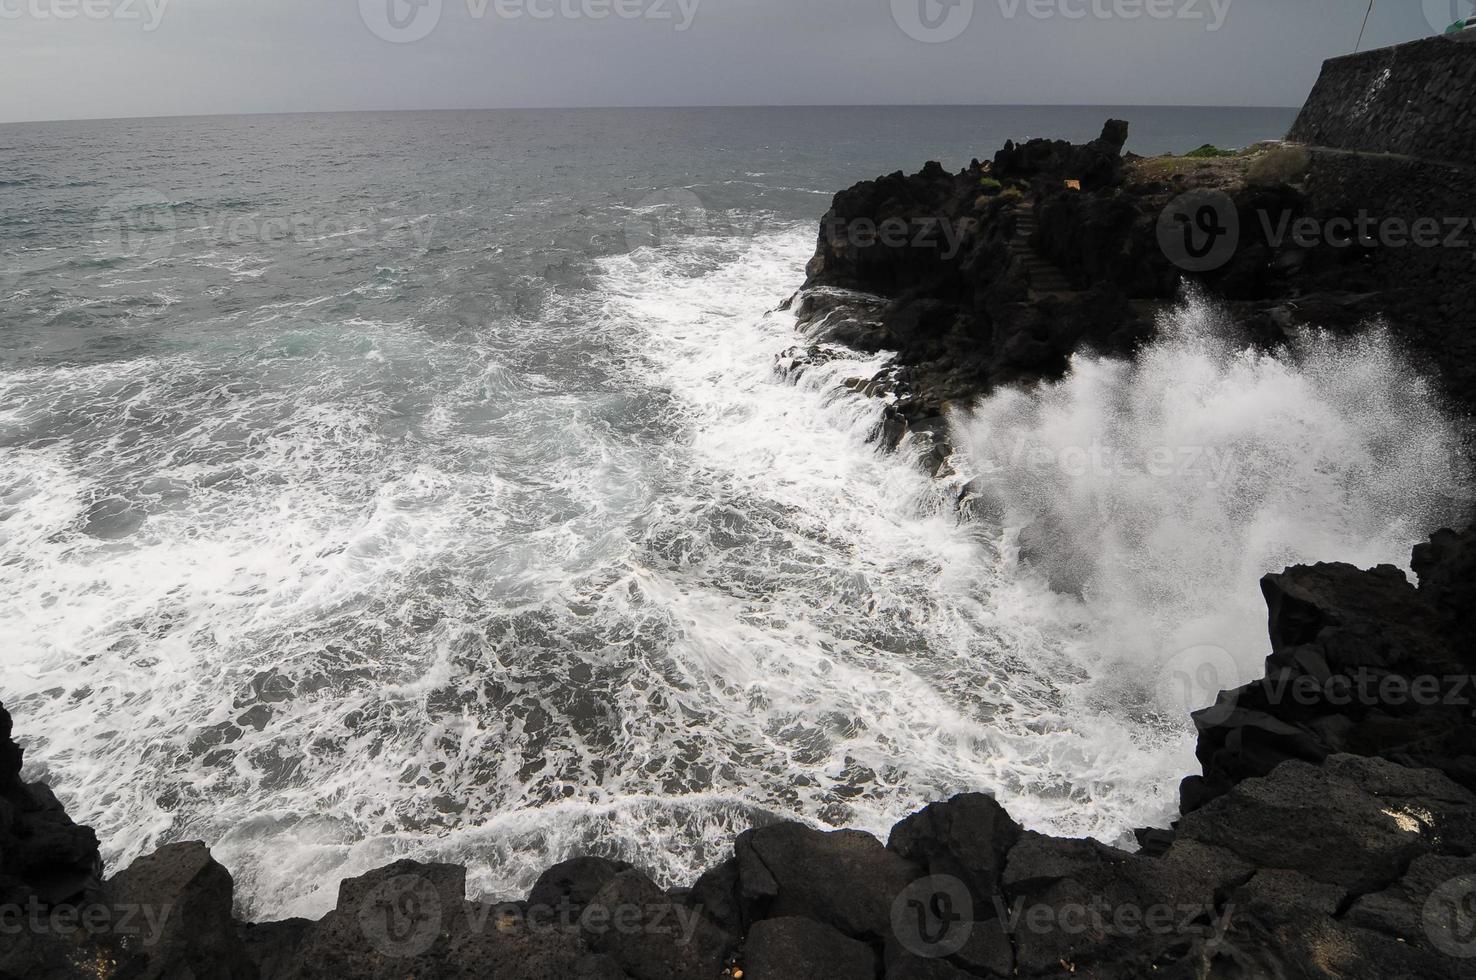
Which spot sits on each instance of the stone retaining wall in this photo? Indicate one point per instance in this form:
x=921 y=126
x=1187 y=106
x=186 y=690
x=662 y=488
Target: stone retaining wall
x=1416 y=99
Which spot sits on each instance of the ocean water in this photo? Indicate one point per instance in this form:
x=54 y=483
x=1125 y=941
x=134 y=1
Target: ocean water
x=385 y=485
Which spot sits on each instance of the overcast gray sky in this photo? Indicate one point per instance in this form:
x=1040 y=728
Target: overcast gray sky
x=68 y=59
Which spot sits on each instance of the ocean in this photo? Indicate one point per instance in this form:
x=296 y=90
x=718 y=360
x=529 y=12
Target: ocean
x=422 y=484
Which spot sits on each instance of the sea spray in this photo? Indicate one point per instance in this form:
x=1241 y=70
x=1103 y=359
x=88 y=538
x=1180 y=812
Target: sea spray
x=616 y=587
x=1152 y=495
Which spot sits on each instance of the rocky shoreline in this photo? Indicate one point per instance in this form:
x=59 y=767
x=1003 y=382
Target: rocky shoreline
x=1331 y=832
x=998 y=274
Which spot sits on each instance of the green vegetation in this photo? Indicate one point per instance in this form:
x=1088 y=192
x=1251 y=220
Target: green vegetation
x=990 y=185
x=1208 y=151
x=1282 y=165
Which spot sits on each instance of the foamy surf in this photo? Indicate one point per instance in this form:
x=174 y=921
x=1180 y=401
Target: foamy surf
x=620 y=588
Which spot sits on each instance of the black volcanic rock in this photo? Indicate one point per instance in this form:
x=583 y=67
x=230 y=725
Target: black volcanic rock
x=575 y=883
x=1362 y=662
x=43 y=854
x=845 y=879
x=1056 y=248
x=184 y=925
x=1096 y=165
x=967 y=837
x=796 y=948
x=654 y=941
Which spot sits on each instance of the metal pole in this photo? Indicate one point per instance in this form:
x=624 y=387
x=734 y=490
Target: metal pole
x=1364 y=27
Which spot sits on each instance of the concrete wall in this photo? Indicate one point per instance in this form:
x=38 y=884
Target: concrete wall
x=1417 y=99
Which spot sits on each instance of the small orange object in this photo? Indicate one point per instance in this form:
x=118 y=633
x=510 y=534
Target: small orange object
x=1073 y=185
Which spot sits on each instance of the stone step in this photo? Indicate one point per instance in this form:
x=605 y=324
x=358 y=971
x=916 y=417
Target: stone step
x=1043 y=275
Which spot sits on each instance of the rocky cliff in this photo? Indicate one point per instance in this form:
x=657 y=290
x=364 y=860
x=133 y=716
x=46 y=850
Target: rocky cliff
x=999 y=273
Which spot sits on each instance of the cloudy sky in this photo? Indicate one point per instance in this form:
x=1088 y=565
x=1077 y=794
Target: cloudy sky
x=67 y=59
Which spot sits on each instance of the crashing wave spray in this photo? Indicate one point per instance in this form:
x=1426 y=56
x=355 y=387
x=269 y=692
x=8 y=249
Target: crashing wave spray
x=1156 y=493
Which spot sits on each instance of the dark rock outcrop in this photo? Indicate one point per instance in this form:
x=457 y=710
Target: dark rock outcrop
x=43 y=854
x=998 y=274
x=797 y=948
x=1361 y=662
x=182 y=926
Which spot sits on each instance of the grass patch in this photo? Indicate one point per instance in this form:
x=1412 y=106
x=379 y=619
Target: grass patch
x=1209 y=152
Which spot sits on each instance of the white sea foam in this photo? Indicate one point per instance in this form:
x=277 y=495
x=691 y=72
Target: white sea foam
x=1156 y=493
x=548 y=594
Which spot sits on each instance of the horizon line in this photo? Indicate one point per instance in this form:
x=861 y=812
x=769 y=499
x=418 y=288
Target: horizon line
x=636 y=108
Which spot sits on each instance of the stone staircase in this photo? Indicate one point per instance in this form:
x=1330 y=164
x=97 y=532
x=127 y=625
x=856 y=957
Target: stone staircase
x=1045 y=277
